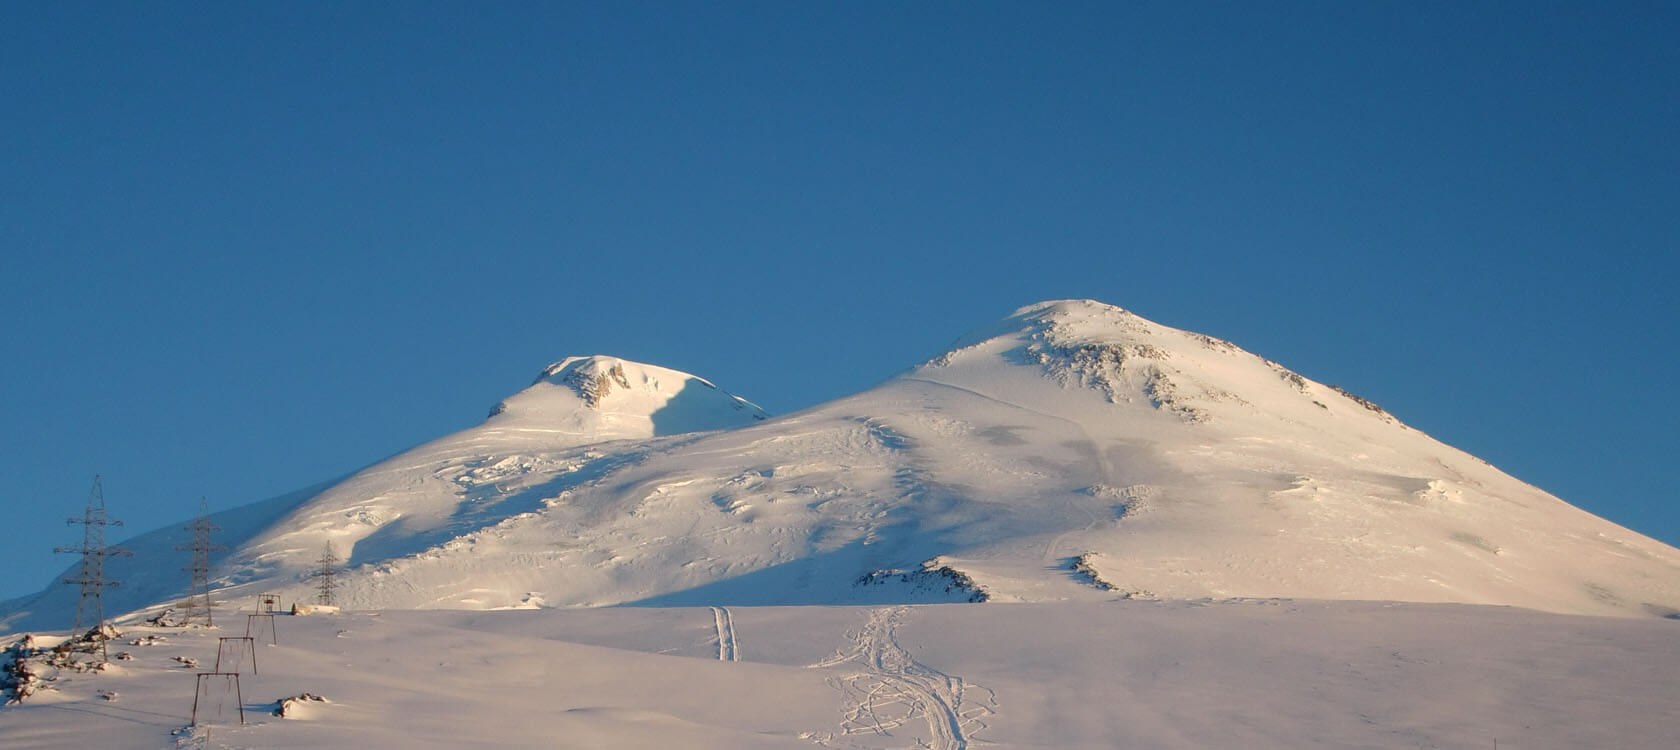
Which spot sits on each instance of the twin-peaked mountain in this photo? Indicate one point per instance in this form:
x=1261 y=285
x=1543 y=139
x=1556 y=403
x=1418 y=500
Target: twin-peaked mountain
x=1070 y=451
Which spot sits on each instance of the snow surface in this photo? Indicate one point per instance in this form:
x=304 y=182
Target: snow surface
x=1161 y=463
x=1134 y=674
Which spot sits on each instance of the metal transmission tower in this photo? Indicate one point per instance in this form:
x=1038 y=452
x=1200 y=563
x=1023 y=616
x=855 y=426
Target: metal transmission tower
x=326 y=576
x=198 y=598
x=91 y=575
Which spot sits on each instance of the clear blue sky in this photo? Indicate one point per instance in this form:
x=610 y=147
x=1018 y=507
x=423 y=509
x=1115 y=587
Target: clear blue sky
x=246 y=247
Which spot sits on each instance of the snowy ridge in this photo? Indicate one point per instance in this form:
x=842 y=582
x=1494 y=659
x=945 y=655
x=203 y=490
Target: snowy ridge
x=605 y=398
x=1069 y=445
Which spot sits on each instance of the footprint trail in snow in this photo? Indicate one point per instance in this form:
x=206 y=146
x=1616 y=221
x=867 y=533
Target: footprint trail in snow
x=893 y=690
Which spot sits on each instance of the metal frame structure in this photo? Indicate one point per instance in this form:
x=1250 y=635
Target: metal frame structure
x=250 y=644
x=238 y=693
x=251 y=620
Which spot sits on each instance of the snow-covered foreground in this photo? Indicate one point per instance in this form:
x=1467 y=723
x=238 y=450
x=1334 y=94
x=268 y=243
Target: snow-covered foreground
x=1132 y=674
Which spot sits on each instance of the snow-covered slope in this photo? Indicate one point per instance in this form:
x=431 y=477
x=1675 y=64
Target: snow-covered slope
x=1071 y=451
x=427 y=496
x=1256 y=674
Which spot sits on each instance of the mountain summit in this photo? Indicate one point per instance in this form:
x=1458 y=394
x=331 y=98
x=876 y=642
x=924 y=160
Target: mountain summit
x=602 y=398
x=1070 y=451
x=1087 y=345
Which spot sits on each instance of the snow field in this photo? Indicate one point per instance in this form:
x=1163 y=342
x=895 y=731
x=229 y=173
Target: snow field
x=1137 y=674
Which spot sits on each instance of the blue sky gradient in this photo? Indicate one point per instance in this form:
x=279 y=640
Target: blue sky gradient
x=248 y=247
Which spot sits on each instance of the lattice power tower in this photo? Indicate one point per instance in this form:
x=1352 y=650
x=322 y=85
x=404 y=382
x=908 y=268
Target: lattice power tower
x=198 y=597
x=326 y=576
x=91 y=575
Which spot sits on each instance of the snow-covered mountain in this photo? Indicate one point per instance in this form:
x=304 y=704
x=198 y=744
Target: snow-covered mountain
x=595 y=399
x=1071 y=451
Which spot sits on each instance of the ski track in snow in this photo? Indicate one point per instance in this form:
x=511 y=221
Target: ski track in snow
x=894 y=689
x=728 y=648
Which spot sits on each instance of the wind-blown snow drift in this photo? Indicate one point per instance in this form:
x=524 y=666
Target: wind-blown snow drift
x=1071 y=451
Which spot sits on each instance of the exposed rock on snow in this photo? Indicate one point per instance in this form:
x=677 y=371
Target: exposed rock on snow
x=295 y=706
x=31 y=665
x=934 y=577
x=591 y=378
x=1083 y=568
x=1367 y=403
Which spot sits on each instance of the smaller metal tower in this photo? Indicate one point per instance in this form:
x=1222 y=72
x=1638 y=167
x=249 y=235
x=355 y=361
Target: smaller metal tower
x=198 y=597
x=326 y=576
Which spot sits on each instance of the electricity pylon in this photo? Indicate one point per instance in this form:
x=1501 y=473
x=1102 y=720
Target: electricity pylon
x=91 y=575
x=326 y=576
x=198 y=597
